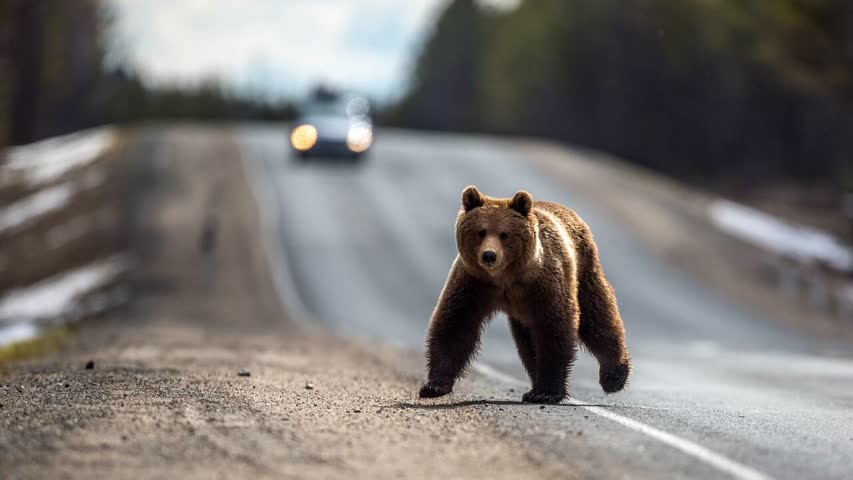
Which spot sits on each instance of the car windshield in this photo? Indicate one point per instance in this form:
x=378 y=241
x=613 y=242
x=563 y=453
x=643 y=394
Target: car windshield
x=354 y=107
x=326 y=108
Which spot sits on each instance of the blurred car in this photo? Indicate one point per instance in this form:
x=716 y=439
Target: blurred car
x=333 y=125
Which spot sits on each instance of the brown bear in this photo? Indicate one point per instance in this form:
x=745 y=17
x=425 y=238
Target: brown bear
x=538 y=263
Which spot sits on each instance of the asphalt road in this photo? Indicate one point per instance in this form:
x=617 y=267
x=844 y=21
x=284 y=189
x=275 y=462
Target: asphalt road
x=716 y=392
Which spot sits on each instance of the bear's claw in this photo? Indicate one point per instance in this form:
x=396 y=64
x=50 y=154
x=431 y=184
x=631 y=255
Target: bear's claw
x=542 y=397
x=433 y=390
x=613 y=378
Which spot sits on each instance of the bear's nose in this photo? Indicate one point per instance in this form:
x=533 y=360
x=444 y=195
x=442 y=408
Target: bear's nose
x=490 y=257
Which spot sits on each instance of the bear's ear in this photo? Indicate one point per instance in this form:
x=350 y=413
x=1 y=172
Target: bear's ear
x=472 y=198
x=522 y=202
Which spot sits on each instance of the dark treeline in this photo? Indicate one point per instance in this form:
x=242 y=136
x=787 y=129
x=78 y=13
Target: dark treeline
x=53 y=80
x=127 y=99
x=706 y=90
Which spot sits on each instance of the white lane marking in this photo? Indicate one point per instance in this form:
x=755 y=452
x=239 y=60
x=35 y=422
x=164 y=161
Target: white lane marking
x=716 y=460
x=290 y=300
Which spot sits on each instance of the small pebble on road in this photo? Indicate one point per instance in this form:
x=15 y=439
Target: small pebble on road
x=309 y=386
x=244 y=373
x=90 y=365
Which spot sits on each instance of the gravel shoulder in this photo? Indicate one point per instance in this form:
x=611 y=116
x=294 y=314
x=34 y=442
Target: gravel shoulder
x=164 y=398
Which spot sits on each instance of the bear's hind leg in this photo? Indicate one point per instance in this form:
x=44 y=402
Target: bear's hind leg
x=524 y=345
x=602 y=331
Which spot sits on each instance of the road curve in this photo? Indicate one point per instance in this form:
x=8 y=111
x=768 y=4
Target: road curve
x=368 y=248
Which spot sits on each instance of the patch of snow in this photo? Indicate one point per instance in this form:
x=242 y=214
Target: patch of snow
x=794 y=241
x=17 y=333
x=44 y=161
x=18 y=213
x=44 y=201
x=59 y=295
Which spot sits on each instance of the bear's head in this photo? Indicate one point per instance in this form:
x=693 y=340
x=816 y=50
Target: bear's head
x=496 y=236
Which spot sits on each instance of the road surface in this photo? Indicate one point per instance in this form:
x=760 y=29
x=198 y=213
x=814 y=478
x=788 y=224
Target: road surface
x=717 y=392
x=204 y=376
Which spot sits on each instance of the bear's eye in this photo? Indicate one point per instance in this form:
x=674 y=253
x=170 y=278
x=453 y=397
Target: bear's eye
x=504 y=236
x=482 y=233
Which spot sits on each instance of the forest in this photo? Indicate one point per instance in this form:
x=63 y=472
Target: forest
x=712 y=91
x=54 y=77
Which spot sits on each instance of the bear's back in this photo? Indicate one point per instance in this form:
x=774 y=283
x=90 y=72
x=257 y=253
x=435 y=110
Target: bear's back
x=567 y=216
x=571 y=223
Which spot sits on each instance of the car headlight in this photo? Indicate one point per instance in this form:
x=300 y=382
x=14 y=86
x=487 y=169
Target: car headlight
x=303 y=137
x=359 y=138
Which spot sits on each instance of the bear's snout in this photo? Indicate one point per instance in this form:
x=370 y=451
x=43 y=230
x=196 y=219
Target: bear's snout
x=490 y=257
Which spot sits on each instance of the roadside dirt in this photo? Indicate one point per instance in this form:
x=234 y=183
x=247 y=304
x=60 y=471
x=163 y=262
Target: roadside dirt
x=671 y=220
x=164 y=399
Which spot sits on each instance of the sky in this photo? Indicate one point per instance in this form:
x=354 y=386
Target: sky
x=279 y=48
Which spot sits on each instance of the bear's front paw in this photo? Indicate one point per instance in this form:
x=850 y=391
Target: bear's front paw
x=613 y=377
x=435 y=389
x=535 y=396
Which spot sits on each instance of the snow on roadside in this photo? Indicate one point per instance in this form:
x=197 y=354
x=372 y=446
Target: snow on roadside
x=23 y=210
x=58 y=296
x=18 y=213
x=18 y=332
x=768 y=232
x=45 y=161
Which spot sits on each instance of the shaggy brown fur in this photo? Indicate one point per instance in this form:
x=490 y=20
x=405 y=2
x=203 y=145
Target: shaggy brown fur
x=538 y=263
